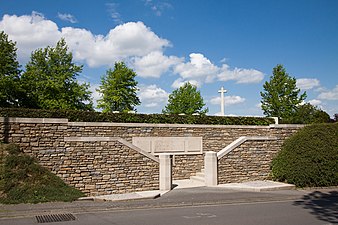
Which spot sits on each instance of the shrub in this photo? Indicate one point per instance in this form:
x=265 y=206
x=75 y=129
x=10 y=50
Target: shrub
x=23 y=180
x=309 y=158
x=88 y=116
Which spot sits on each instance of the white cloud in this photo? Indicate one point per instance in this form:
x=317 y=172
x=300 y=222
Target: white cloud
x=158 y=7
x=329 y=95
x=202 y=70
x=30 y=32
x=307 y=83
x=95 y=94
x=114 y=14
x=67 y=17
x=154 y=64
x=123 y=42
x=315 y=102
x=152 y=96
x=228 y=100
x=180 y=82
x=199 y=68
x=241 y=76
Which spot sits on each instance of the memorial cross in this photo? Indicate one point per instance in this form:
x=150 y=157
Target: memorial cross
x=222 y=91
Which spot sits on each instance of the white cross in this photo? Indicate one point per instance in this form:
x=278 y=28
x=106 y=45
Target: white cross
x=222 y=91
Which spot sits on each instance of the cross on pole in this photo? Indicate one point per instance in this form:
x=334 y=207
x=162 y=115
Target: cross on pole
x=222 y=91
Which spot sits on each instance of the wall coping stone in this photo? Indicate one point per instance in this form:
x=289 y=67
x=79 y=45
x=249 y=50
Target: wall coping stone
x=240 y=141
x=121 y=140
x=111 y=124
x=33 y=120
x=291 y=126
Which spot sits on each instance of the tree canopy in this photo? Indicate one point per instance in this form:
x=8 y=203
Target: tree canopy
x=280 y=97
x=118 y=89
x=185 y=99
x=50 y=80
x=307 y=114
x=9 y=72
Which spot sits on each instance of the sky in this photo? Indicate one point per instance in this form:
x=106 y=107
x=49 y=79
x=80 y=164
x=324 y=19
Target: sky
x=209 y=43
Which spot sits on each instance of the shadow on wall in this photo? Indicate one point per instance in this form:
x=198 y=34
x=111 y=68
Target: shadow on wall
x=323 y=205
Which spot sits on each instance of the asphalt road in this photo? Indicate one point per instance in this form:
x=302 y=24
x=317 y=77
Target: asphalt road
x=263 y=213
x=193 y=207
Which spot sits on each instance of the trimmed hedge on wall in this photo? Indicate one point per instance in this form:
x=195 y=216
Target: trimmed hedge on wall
x=86 y=116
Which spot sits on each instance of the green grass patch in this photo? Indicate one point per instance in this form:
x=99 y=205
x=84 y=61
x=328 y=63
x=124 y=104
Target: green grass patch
x=309 y=158
x=23 y=180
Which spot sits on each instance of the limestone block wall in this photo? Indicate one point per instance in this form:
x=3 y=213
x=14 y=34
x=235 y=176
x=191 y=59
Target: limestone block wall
x=184 y=166
x=248 y=162
x=95 y=166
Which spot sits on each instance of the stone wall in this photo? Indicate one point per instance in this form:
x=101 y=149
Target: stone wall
x=248 y=162
x=74 y=161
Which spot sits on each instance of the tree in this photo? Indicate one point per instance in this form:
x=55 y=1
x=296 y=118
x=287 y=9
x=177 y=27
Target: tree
x=118 y=89
x=307 y=114
x=9 y=72
x=185 y=99
x=280 y=97
x=50 y=80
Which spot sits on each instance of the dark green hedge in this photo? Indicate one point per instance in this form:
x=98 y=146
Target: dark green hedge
x=309 y=158
x=86 y=116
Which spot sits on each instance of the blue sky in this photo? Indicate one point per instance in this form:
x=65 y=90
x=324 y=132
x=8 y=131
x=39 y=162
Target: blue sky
x=230 y=43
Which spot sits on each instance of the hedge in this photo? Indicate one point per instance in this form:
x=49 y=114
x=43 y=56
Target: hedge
x=89 y=116
x=309 y=158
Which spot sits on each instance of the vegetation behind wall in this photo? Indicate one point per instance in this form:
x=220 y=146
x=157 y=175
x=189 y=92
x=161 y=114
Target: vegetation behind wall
x=89 y=116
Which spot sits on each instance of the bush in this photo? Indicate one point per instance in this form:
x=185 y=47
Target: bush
x=88 y=116
x=23 y=180
x=309 y=158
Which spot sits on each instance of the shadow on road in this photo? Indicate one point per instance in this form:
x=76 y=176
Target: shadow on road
x=323 y=205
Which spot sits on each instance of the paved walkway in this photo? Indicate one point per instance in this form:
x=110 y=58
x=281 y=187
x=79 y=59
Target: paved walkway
x=255 y=186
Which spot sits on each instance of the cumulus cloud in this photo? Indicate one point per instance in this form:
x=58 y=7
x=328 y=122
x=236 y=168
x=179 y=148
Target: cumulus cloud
x=123 y=42
x=228 y=100
x=180 y=82
x=329 y=95
x=131 y=42
x=202 y=70
x=241 y=76
x=154 y=64
x=67 y=17
x=152 y=96
x=30 y=32
x=199 y=67
x=307 y=83
x=315 y=102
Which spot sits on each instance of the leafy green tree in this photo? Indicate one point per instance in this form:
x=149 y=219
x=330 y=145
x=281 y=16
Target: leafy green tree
x=307 y=114
x=185 y=99
x=50 y=80
x=9 y=72
x=280 y=96
x=118 y=89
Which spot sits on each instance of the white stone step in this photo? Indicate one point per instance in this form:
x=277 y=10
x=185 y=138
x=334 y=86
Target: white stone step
x=200 y=174
x=187 y=183
x=197 y=178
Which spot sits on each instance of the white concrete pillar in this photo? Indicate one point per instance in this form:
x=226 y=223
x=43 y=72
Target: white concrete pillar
x=210 y=168
x=165 y=172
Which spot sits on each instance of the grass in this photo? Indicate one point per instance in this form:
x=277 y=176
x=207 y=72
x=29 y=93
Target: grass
x=23 y=180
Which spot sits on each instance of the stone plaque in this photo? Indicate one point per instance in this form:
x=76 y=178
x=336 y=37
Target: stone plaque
x=171 y=145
